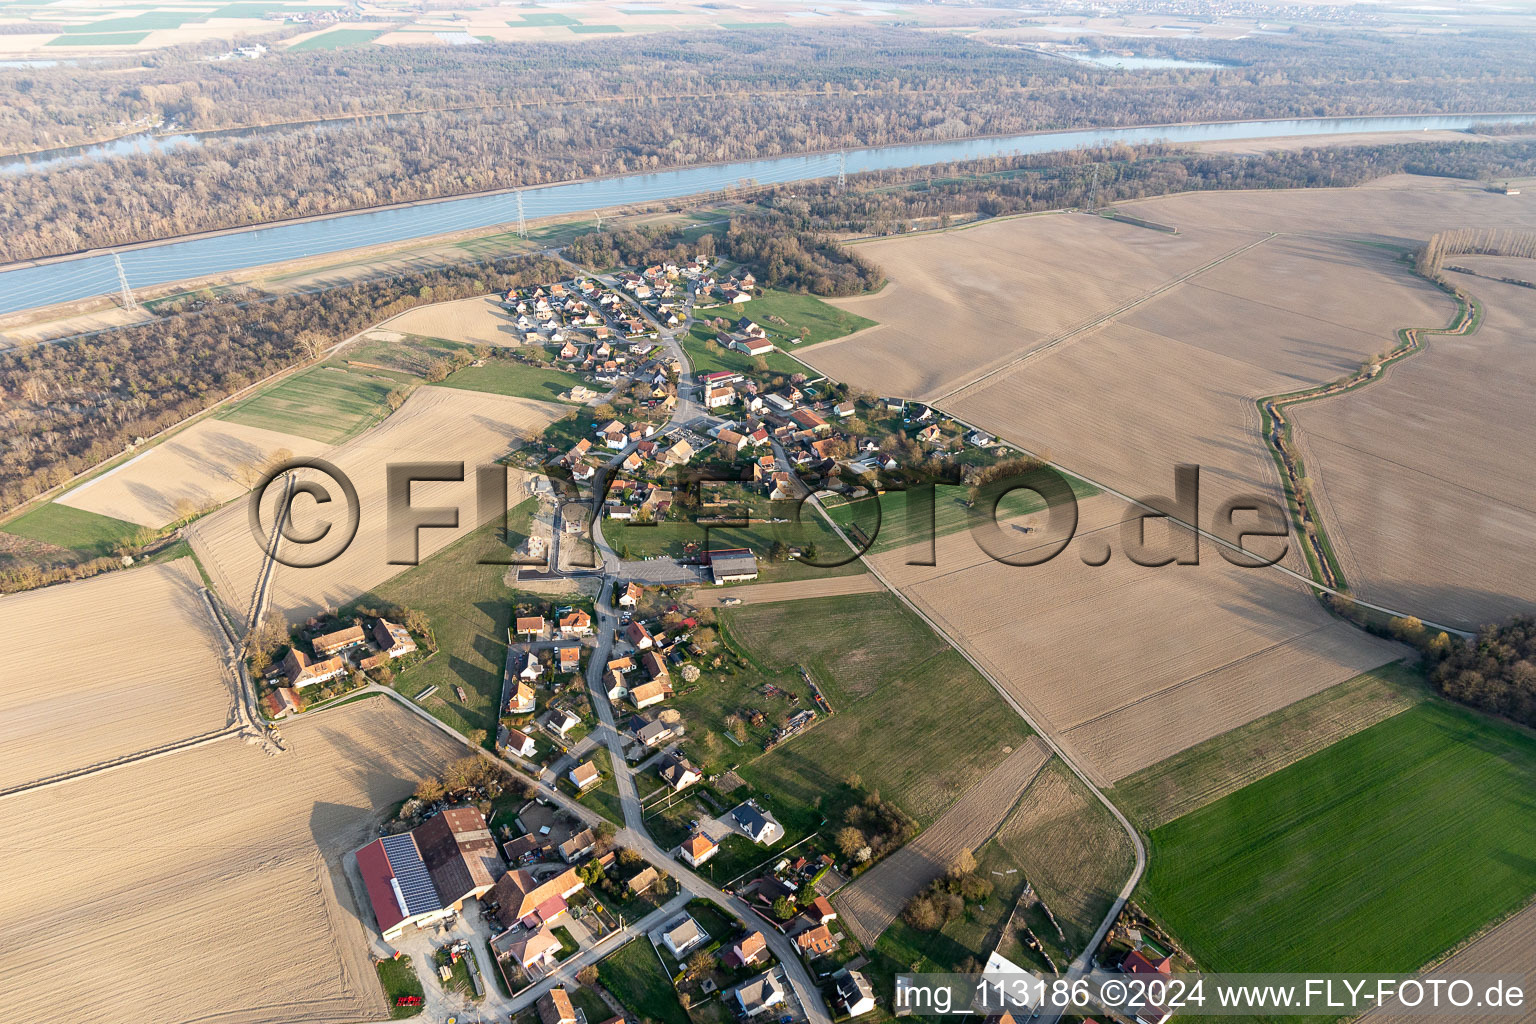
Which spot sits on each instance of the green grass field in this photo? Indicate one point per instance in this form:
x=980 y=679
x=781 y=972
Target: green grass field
x=470 y=608
x=145 y=22
x=98 y=39
x=410 y=356
x=709 y=357
x=399 y=978
x=586 y=30
x=73 y=528
x=337 y=39
x=519 y=380
x=1224 y=764
x=325 y=403
x=821 y=321
x=896 y=690
x=635 y=977
x=1376 y=854
x=893 y=529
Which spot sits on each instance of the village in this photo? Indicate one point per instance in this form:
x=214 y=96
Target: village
x=617 y=683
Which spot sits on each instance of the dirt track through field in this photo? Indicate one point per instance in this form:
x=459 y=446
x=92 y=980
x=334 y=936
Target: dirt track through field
x=870 y=904
x=792 y=590
x=435 y=425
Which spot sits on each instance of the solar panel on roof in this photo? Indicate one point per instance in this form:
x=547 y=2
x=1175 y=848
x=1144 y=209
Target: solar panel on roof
x=411 y=874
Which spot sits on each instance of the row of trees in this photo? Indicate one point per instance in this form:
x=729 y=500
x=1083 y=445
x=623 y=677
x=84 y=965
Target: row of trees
x=485 y=117
x=1473 y=242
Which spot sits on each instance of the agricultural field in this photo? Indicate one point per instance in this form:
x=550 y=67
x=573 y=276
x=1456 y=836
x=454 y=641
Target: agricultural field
x=1507 y=949
x=62 y=526
x=1424 y=512
x=892 y=522
x=795 y=590
x=144 y=665
x=326 y=404
x=199 y=468
x=434 y=425
x=1307 y=869
x=1176 y=654
x=480 y=320
x=336 y=39
x=1209 y=771
x=879 y=666
x=206 y=842
x=963 y=302
x=1072 y=850
x=391 y=353
x=871 y=903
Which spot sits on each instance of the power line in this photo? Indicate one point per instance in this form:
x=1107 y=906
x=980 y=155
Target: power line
x=842 y=170
x=522 y=221
x=129 y=302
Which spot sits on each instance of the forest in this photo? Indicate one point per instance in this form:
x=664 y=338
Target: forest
x=1495 y=671
x=511 y=115
x=67 y=407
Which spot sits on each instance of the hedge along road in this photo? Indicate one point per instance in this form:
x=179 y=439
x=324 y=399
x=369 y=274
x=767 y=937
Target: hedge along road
x=31 y=285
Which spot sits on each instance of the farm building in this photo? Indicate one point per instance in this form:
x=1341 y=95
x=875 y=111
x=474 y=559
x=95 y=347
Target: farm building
x=335 y=642
x=732 y=565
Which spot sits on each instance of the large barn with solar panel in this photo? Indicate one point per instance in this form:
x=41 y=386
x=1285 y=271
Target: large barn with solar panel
x=425 y=875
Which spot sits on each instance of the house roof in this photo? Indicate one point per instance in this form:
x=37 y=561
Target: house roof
x=459 y=852
x=654 y=690
x=759 y=991
x=347 y=635
x=685 y=932
x=398 y=883
x=584 y=772
x=579 y=842
x=751 y=947
x=816 y=940
x=1137 y=962
x=697 y=846
x=529 y=623
x=853 y=987
x=535 y=946
x=555 y=1007
x=517 y=893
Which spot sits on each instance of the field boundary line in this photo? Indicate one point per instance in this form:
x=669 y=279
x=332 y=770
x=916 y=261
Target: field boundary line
x=1083 y=961
x=1102 y=319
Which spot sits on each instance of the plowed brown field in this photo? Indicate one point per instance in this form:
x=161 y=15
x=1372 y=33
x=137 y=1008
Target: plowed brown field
x=106 y=667
x=435 y=425
x=1126 y=665
x=203 y=465
x=207 y=885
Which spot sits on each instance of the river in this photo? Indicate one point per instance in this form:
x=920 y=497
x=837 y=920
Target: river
x=27 y=287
